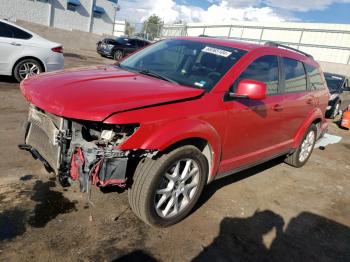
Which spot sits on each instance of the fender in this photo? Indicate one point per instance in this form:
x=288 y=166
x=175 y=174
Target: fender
x=313 y=115
x=155 y=137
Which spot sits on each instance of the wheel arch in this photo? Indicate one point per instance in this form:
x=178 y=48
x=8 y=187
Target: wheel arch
x=42 y=64
x=174 y=134
x=315 y=117
x=202 y=144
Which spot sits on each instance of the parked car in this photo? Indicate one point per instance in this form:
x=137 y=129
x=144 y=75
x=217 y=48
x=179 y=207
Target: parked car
x=119 y=47
x=175 y=116
x=339 y=87
x=24 y=53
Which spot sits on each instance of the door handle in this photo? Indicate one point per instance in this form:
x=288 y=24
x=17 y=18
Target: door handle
x=15 y=44
x=277 y=108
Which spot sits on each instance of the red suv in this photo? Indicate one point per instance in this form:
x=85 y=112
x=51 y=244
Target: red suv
x=173 y=117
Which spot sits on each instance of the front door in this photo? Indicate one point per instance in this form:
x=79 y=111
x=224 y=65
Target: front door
x=254 y=127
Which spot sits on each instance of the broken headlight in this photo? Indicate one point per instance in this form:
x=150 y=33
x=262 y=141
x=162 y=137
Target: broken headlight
x=118 y=133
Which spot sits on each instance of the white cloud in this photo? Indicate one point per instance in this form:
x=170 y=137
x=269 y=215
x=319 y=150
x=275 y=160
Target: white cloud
x=219 y=11
x=169 y=11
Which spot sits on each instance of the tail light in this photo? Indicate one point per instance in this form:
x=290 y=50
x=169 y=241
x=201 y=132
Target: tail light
x=58 y=49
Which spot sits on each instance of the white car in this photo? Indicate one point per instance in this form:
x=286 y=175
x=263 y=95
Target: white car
x=23 y=53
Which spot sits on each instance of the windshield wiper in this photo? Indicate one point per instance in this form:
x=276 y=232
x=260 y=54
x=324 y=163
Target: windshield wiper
x=151 y=73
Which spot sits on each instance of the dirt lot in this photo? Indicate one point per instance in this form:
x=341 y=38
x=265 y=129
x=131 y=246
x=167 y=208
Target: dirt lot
x=270 y=213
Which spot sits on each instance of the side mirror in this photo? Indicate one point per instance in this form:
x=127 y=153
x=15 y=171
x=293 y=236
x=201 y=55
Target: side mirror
x=250 y=89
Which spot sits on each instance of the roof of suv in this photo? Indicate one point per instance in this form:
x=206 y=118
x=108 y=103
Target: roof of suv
x=251 y=46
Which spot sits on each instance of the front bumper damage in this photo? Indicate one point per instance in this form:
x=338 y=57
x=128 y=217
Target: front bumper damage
x=80 y=151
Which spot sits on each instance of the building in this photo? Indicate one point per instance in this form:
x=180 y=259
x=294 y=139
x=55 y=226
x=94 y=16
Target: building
x=326 y=42
x=95 y=16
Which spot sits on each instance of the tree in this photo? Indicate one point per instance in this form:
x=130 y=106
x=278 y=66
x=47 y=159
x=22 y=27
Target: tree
x=129 y=29
x=152 y=26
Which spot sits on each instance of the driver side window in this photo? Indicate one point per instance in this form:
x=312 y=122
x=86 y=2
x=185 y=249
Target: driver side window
x=263 y=69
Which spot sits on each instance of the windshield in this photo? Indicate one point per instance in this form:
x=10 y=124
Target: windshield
x=334 y=82
x=185 y=62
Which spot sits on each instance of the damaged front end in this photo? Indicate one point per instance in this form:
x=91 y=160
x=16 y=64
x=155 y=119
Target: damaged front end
x=80 y=151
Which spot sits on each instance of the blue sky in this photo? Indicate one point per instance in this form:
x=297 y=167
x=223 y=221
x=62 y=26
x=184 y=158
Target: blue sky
x=225 y=11
x=336 y=12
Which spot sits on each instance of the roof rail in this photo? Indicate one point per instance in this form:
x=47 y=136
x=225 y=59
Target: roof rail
x=275 y=44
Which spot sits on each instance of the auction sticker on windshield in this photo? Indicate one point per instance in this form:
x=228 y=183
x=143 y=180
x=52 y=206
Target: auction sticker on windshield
x=216 y=51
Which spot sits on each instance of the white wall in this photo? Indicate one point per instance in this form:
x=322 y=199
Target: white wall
x=119 y=29
x=104 y=24
x=297 y=35
x=35 y=11
x=66 y=19
x=55 y=13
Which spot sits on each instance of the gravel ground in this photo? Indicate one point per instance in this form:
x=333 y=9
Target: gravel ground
x=272 y=212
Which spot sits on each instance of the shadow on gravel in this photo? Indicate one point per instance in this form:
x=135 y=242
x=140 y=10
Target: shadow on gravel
x=136 y=256
x=8 y=79
x=73 y=55
x=26 y=177
x=307 y=237
x=49 y=204
x=12 y=223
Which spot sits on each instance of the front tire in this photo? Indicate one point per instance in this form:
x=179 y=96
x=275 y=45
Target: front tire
x=336 y=110
x=302 y=154
x=166 y=189
x=118 y=55
x=26 y=68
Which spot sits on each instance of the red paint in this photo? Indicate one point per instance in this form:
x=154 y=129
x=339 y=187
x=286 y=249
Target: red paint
x=252 y=89
x=239 y=132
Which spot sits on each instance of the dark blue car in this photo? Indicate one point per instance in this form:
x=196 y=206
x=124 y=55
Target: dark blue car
x=119 y=47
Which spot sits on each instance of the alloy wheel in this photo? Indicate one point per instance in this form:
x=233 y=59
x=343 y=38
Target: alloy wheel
x=118 y=55
x=307 y=146
x=28 y=69
x=177 y=188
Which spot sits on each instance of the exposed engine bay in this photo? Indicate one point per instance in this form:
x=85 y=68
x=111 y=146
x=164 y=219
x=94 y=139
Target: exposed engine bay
x=80 y=151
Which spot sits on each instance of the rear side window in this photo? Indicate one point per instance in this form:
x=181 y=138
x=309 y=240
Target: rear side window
x=316 y=81
x=13 y=32
x=5 y=31
x=294 y=75
x=18 y=33
x=264 y=69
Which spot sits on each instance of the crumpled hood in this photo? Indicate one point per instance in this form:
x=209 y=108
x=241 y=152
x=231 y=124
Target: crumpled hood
x=94 y=93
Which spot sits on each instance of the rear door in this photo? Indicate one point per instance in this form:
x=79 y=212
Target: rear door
x=8 y=48
x=346 y=94
x=131 y=46
x=255 y=127
x=12 y=41
x=299 y=102
x=317 y=85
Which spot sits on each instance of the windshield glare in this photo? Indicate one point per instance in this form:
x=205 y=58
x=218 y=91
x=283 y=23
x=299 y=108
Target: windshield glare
x=186 y=62
x=334 y=82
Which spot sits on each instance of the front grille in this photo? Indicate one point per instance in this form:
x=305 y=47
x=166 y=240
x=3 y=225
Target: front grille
x=42 y=135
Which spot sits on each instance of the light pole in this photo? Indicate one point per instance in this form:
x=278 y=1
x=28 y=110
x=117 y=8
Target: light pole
x=116 y=9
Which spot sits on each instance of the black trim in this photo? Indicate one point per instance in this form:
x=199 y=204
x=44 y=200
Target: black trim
x=275 y=44
x=36 y=155
x=245 y=167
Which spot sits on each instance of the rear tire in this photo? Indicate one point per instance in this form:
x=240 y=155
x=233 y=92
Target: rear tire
x=302 y=154
x=26 y=68
x=157 y=184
